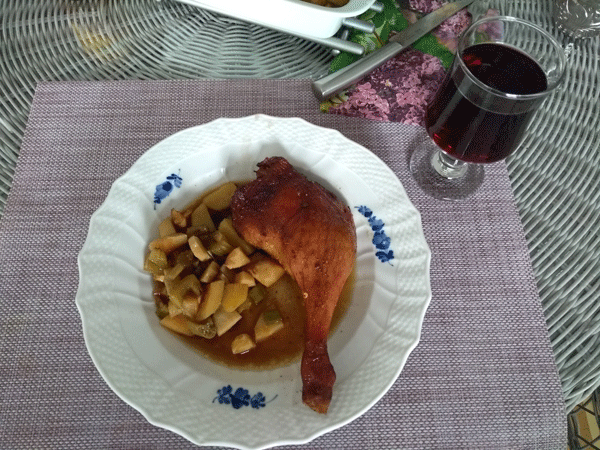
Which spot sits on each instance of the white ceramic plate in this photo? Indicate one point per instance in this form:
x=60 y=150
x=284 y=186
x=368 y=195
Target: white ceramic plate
x=176 y=388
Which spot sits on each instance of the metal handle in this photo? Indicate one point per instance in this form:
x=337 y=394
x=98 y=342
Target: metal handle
x=377 y=7
x=335 y=82
x=357 y=24
x=339 y=44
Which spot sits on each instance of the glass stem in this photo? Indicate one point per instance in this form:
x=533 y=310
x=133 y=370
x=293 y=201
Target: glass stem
x=447 y=166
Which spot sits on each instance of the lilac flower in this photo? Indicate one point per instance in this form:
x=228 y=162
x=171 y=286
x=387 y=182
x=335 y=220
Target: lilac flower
x=364 y=102
x=425 y=6
x=495 y=30
x=452 y=28
x=397 y=91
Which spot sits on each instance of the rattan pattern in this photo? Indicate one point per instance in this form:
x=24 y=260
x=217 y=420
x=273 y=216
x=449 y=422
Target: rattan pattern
x=555 y=177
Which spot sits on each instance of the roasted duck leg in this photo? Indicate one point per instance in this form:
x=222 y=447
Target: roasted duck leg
x=312 y=235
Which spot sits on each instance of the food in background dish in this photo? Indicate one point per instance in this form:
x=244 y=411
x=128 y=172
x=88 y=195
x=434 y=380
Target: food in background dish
x=311 y=233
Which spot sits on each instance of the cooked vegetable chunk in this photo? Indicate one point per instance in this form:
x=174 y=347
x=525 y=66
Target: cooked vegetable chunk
x=220 y=199
x=266 y=271
x=177 y=324
x=269 y=323
x=236 y=259
x=226 y=227
x=198 y=248
x=211 y=300
x=242 y=343
x=201 y=217
x=234 y=295
x=224 y=320
x=169 y=243
x=204 y=329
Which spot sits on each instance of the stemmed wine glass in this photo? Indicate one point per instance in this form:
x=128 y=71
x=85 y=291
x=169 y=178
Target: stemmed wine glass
x=503 y=70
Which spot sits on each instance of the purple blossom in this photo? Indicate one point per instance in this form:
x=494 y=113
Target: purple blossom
x=364 y=102
x=449 y=30
x=494 y=29
x=425 y=6
x=452 y=28
x=397 y=91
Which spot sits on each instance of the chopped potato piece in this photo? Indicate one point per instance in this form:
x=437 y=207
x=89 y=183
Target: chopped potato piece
x=166 y=228
x=173 y=272
x=220 y=198
x=266 y=271
x=205 y=329
x=245 y=278
x=174 y=309
x=189 y=304
x=158 y=257
x=172 y=288
x=190 y=207
x=268 y=323
x=177 y=324
x=149 y=266
x=257 y=293
x=211 y=300
x=210 y=272
x=241 y=344
x=169 y=243
x=226 y=274
x=185 y=257
x=244 y=306
x=190 y=283
x=224 y=320
x=234 y=295
x=201 y=218
x=220 y=246
x=226 y=227
x=178 y=288
x=236 y=259
x=199 y=231
x=198 y=248
x=178 y=218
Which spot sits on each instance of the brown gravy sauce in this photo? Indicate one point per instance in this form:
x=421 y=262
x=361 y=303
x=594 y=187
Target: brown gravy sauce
x=282 y=348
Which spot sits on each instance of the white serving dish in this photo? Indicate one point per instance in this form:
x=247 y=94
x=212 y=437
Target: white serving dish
x=290 y=16
x=209 y=404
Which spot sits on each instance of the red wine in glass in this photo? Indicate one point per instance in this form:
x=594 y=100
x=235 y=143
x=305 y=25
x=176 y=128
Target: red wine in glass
x=473 y=125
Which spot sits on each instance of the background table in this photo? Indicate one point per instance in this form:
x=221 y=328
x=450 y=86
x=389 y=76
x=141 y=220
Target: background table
x=555 y=177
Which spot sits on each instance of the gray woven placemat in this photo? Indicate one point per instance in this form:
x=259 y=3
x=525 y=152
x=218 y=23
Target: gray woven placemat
x=483 y=375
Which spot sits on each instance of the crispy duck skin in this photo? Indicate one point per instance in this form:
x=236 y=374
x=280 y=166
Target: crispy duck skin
x=312 y=235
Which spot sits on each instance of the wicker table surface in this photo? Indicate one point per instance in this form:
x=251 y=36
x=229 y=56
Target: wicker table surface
x=556 y=181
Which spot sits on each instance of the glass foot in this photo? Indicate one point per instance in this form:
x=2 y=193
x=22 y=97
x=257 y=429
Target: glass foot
x=443 y=177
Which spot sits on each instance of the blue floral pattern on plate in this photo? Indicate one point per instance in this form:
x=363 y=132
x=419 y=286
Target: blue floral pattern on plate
x=240 y=398
x=166 y=187
x=381 y=241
